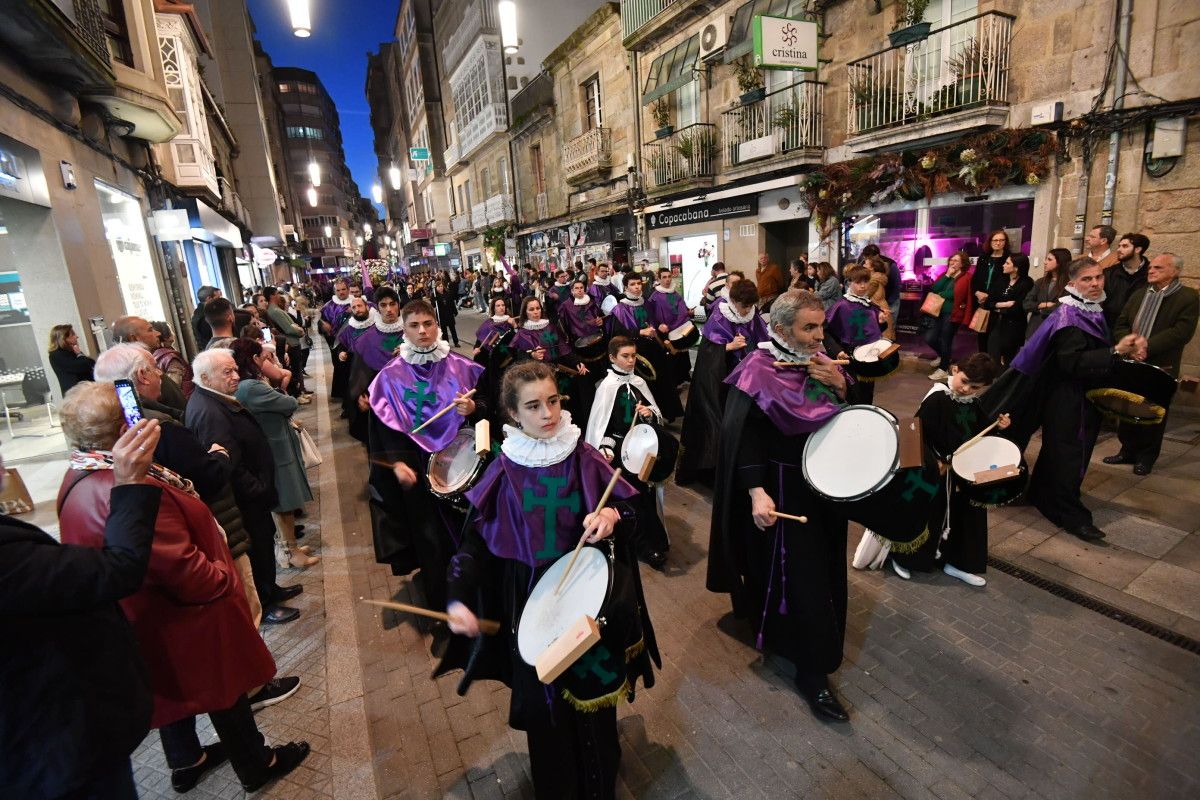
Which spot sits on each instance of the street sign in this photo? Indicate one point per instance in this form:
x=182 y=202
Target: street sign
x=421 y=153
x=781 y=43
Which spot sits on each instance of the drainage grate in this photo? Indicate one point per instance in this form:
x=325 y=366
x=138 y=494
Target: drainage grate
x=1112 y=612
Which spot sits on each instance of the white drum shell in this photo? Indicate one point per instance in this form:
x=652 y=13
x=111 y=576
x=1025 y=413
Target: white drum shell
x=641 y=442
x=989 y=452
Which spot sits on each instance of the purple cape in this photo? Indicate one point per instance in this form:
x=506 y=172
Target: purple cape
x=853 y=324
x=633 y=318
x=720 y=330
x=794 y=402
x=667 y=308
x=550 y=337
x=1033 y=353
x=404 y=395
x=599 y=292
x=579 y=319
x=347 y=336
x=490 y=328
x=334 y=314
x=513 y=501
x=377 y=348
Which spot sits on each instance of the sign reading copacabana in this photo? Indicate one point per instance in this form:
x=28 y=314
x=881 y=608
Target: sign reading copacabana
x=781 y=43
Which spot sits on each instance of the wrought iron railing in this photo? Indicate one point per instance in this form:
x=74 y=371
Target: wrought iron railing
x=479 y=216
x=500 y=209
x=587 y=153
x=685 y=154
x=784 y=120
x=637 y=13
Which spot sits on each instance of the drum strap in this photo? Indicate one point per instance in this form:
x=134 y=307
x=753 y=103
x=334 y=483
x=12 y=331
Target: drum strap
x=945 y=520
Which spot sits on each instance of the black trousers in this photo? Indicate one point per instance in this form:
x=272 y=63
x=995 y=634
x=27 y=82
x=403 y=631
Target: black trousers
x=235 y=726
x=261 y=529
x=1054 y=487
x=1142 y=443
x=450 y=332
x=116 y=783
x=574 y=755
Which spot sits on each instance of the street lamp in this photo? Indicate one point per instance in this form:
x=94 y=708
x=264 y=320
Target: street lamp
x=377 y=193
x=358 y=240
x=394 y=177
x=367 y=228
x=314 y=173
x=312 y=196
x=328 y=232
x=301 y=19
x=507 y=11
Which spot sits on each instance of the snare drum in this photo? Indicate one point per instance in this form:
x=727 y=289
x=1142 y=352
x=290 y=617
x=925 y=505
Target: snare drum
x=644 y=440
x=1137 y=392
x=867 y=365
x=685 y=336
x=591 y=348
x=547 y=615
x=854 y=460
x=989 y=453
x=455 y=468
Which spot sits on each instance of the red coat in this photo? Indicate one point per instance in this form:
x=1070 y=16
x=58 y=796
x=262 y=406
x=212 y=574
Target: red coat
x=190 y=616
x=964 y=300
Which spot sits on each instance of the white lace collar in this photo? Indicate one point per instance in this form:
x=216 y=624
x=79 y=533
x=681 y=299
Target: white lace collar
x=410 y=353
x=658 y=288
x=358 y=325
x=601 y=281
x=955 y=396
x=535 y=324
x=349 y=299
x=389 y=327
x=530 y=452
x=500 y=319
x=629 y=301
x=581 y=301
x=731 y=314
x=781 y=351
x=853 y=298
x=1073 y=298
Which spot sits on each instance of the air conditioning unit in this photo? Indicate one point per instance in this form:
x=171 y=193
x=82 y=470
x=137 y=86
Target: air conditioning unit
x=713 y=38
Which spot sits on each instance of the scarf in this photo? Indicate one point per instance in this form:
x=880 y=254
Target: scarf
x=529 y=451
x=535 y=324
x=853 y=298
x=1075 y=299
x=731 y=314
x=416 y=356
x=1143 y=323
x=92 y=460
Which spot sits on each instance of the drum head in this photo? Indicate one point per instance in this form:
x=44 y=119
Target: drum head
x=988 y=453
x=588 y=341
x=453 y=467
x=548 y=615
x=683 y=330
x=870 y=352
x=853 y=454
x=641 y=442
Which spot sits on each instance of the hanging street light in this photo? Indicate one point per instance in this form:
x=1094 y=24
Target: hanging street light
x=377 y=193
x=312 y=196
x=367 y=228
x=358 y=240
x=301 y=18
x=507 y=11
x=328 y=231
x=314 y=173
x=394 y=177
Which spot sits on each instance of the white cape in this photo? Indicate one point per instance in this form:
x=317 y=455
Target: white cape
x=606 y=395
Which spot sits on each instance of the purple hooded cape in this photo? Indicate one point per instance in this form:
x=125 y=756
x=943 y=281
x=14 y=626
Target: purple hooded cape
x=490 y=328
x=599 y=291
x=853 y=324
x=720 y=330
x=550 y=337
x=347 y=336
x=794 y=402
x=633 y=318
x=578 y=319
x=667 y=308
x=334 y=314
x=377 y=348
x=404 y=395
x=513 y=502
x=1033 y=353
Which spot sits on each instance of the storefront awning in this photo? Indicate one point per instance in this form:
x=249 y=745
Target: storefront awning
x=210 y=226
x=741 y=38
x=672 y=69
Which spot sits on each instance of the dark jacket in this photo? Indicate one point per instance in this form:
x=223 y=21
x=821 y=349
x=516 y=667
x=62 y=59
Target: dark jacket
x=892 y=292
x=74 y=692
x=200 y=327
x=70 y=368
x=215 y=418
x=1173 y=328
x=989 y=277
x=1119 y=286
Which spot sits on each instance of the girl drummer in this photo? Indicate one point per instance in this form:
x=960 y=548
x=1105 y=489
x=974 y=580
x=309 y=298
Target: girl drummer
x=531 y=506
x=542 y=339
x=853 y=321
x=958 y=529
x=492 y=328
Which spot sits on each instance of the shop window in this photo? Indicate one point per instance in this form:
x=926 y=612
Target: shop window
x=116 y=32
x=126 y=234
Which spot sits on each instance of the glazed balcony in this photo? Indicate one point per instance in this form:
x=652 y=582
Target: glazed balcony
x=500 y=210
x=953 y=81
x=686 y=157
x=588 y=157
x=479 y=219
x=461 y=226
x=453 y=158
x=784 y=126
x=476 y=131
x=479 y=18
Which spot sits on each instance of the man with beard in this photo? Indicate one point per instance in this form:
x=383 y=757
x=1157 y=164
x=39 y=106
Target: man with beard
x=632 y=317
x=374 y=346
x=360 y=318
x=334 y=313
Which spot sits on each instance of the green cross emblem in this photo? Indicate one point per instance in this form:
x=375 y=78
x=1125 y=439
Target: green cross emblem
x=915 y=482
x=628 y=404
x=965 y=418
x=551 y=502
x=593 y=661
x=816 y=391
x=392 y=341
x=673 y=301
x=422 y=398
x=549 y=337
x=639 y=313
x=858 y=321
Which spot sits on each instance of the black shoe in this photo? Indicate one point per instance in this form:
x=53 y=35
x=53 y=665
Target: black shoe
x=1089 y=533
x=285 y=593
x=277 y=615
x=1119 y=458
x=184 y=780
x=825 y=705
x=276 y=690
x=1142 y=469
x=655 y=559
x=287 y=758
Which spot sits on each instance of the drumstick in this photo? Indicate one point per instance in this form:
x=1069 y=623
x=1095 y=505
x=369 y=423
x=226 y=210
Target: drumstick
x=841 y=363
x=976 y=437
x=443 y=411
x=488 y=626
x=608 y=490
x=792 y=517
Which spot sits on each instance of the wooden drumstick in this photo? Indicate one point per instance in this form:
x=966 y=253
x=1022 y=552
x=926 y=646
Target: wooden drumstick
x=792 y=517
x=443 y=411
x=976 y=437
x=489 y=626
x=840 y=363
x=608 y=490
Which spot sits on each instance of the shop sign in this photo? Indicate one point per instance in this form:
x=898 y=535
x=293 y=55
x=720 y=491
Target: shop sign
x=418 y=153
x=781 y=43
x=741 y=206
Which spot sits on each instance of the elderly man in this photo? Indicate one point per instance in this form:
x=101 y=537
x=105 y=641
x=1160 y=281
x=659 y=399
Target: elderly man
x=136 y=330
x=769 y=279
x=217 y=418
x=1165 y=314
x=334 y=313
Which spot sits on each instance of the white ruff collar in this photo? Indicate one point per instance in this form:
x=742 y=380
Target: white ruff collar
x=581 y=301
x=389 y=327
x=853 y=298
x=372 y=318
x=535 y=324
x=629 y=301
x=338 y=302
x=500 y=319
x=731 y=314
x=782 y=352
x=410 y=353
x=601 y=281
x=1073 y=298
x=664 y=291
x=530 y=452
x=958 y=398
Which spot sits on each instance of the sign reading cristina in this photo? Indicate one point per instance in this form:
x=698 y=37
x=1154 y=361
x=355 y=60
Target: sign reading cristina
x=781 y=43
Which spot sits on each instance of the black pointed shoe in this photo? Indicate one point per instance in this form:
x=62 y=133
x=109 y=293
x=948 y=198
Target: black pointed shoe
x=826 y=706
x=287 y=757
x=1089 y=533
x=184 y=780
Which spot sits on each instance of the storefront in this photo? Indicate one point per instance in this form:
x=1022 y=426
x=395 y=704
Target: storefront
x=694 y=237
x=607 y=239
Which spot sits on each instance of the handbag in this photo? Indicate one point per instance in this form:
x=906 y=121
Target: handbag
x=308 y=448
x=979 y=321
x=933 y=304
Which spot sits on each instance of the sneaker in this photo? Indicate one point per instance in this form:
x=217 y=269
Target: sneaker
x=285 y=758
x=901 y=571
x=939 y=375
x=276 y=690
x=184 y=780
x=965 y=577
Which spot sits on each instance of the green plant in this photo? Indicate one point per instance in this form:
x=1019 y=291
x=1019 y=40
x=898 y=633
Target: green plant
x=970 y=59
x=698 y=143
x=910 y=13
x=748 y=76
x=660 y=112
x=785 y=116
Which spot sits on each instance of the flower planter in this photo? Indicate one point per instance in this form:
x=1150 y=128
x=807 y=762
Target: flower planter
x=913 y=33
x=753 y=96
x=664 y=131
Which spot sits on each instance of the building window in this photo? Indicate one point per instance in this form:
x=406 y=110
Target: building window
x=687 y=104
x=304 y=132
x=116 y=33
x=467 y=193
x=593 y=115
x=485 y=183
x=539 y=174
x=503 y=170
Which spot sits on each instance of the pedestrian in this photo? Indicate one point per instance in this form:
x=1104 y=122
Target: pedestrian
x=988 y=279
x=892 y=293
x=170 y=360
x=718 y=277
x=69 y=363
x=1123 y=279
x=138 y=331
x=954 y=287
x=1047 y=289
x=1009 y=319
x=769 y=279
x=199 y=326
x=829 y=288
x=443 y=304
x=1099 y=243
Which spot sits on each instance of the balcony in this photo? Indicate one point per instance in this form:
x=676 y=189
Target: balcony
x=478 y=18
x=453 y=158
x=588 y=157
x=231 y=203
x=542 y=205
x=685 y=158
x=785 y=127
x=645 y=22
x=461 y=226
x=500 y=210
x=534 y=101
x=61 y=42
x=477 y=130
x=954 y=81
x=479 y=216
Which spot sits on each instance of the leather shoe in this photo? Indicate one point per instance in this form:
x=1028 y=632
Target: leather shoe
x=1089 y=533
x=285 y=593
x=1119 y=458
x=184 y=780
x=277 y=615
x=1142 y=469
x=655 y=559
x=287 y=757
x=825 y=705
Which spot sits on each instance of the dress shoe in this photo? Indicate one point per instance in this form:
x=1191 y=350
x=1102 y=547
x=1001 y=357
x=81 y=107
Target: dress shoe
x=1089 y=533
x=285 y=593
x=1119 y=458
x=184 y=780
x=286 y=758
x=1142 y=469
x=826 y=706
x=278 y=615
x=655 y=559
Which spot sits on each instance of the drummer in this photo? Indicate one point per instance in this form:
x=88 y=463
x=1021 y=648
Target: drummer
x=632 y=317
x=582 y=315
x=669 y=312
x=787 y=578
x=854 y=320
x=531 y=506
x=412 y=528
x=543 y=339
x=958 y=529
x=622 y=397
x=356 y=324
x=558 y=295
x=496 y=325
x=603 y=285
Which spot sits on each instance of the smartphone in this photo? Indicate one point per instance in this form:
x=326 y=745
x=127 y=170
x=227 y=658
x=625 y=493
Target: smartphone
x=268 y=337
x=131 y=407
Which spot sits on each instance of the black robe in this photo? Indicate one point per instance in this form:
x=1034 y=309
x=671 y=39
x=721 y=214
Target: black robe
x=702 y=417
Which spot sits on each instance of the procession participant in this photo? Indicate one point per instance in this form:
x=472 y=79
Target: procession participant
x=949 y=417
x=412 y=528
x=733 y=331
x=582 y=315
x=669 y=312
x=1164 y=313
x=603 y=285
x=713 y=289
x=543 y=339
x=333 y=313
x=360 y=318
x=632 y=317
x=1046 y=385
x=374 y=347
x=532 y=505
x=622 y=397
x=855 y=320
x=558 y=294
x=790 y=580
x=495 y=326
